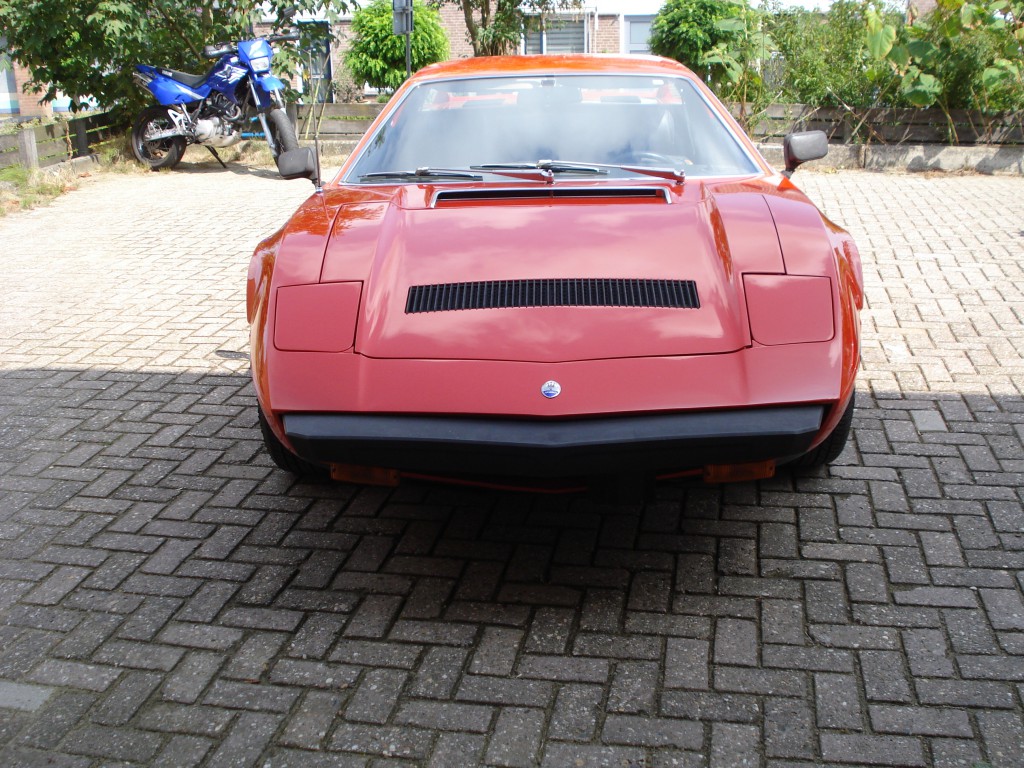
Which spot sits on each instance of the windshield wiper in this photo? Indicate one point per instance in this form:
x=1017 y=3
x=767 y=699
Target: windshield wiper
x=423 y=173
x=672 y=174
x=550 y=167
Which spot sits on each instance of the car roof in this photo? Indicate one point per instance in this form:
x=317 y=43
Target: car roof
x=550 y=64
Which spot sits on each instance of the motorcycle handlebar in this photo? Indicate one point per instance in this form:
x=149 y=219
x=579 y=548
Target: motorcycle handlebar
x=214 y=51
x=219 y=49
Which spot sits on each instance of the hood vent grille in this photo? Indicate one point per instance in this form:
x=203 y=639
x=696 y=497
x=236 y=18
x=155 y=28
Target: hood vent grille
x=506 y=294
x=550 y=193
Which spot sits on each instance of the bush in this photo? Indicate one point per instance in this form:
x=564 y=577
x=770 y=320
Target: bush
x=823 y=58
x=686 y=30
x=959 y=56
x=377 y=55
x=964 y=54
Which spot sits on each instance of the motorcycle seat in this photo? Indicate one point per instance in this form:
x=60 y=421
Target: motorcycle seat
x=182 y=77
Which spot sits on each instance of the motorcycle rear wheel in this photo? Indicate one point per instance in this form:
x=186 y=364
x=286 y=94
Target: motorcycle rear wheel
x=159 y=153
x=283 y=132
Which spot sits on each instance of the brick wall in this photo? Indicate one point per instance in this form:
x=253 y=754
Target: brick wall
x=607 y=38
x=28 y=103
x=454 y=23
x=342 y=42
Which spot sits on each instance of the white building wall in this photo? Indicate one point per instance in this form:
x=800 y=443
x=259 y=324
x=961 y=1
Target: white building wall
x=626 y=7
x=8 y=92
x=617 y=13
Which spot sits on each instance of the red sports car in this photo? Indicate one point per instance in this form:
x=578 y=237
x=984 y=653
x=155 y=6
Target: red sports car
x=570 y=267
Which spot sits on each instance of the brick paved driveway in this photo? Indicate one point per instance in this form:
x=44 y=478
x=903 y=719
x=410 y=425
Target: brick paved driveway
x=169 y=598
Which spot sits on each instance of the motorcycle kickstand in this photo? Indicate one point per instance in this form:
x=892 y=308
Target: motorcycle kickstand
x=213 y=152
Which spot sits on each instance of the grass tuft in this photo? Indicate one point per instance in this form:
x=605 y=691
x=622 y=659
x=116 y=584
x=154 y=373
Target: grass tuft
x=21 y=188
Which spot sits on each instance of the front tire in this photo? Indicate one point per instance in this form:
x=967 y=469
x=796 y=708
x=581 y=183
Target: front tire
x=283 y=132
x=158 y=153
x=832 y=446
x=284 y=458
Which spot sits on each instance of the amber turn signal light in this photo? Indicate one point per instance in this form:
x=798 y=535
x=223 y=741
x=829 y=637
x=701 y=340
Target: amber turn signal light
x=738 y=473
x=352 y=473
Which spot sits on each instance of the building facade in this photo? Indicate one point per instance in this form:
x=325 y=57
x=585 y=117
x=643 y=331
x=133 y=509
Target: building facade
x=14 y=101
x=598 y=26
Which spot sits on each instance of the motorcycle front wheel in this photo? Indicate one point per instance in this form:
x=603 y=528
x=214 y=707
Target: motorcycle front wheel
x=282 y=131
x=156 y=153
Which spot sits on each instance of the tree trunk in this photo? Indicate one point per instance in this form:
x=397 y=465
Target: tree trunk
x=471 y=26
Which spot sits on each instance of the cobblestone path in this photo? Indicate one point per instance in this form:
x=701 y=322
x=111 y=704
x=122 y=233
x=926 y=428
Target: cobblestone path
x=169 y=598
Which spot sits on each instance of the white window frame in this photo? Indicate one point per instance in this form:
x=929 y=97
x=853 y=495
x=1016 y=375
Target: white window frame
x=624 y=22
x=584 y=15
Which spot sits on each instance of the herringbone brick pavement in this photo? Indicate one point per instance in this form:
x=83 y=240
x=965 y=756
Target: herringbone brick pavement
x=169 y=598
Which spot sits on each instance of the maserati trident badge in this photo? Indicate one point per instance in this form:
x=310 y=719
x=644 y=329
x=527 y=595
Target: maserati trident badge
x=551 y=389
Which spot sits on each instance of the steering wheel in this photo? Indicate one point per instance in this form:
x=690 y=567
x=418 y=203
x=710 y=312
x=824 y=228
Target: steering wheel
x=653 y=158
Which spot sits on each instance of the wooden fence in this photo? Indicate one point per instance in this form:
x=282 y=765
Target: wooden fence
x=886 y=126
x=44 y=145
x=335 y=122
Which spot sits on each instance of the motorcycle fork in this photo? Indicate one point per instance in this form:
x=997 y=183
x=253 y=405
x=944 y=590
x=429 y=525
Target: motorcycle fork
x=263 y=118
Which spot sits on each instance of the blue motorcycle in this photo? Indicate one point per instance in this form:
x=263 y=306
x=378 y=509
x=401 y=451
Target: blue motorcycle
x=237 y=99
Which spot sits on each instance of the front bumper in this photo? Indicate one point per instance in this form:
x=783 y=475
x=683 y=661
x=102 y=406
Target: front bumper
x=651 y=443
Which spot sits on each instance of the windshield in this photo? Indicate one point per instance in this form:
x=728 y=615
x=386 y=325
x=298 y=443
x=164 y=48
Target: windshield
x=613 y=120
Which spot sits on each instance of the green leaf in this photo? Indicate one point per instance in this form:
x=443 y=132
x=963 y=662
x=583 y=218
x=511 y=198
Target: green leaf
x=730 y=25
x=950 y=27
x=900 y=56
x=992 y=77
x=880 y=36
x=923 y=51
x=1003 y=72
x=968 y=14
x=920 y=88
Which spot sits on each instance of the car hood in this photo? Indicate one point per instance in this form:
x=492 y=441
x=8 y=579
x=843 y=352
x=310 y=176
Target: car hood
x=401 y=245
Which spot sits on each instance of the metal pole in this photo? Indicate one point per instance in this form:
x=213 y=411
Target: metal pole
x=402 y=24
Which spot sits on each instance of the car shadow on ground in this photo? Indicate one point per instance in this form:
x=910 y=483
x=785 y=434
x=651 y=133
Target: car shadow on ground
x=164 y=457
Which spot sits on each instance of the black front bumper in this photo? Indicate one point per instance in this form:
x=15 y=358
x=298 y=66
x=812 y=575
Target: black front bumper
x=568 y=448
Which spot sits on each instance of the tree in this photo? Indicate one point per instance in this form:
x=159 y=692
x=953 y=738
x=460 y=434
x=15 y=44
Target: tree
x=88 y=48
x=495 y=27
x=377 y=55
x=738 y=62
x=686 y=30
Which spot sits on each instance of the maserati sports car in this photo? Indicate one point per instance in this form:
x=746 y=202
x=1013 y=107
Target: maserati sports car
x=555 y=269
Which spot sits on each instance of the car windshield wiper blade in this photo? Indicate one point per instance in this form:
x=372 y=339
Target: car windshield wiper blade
x=423 y=173
x=672 y=174
x=568 y=166
x=552 y=166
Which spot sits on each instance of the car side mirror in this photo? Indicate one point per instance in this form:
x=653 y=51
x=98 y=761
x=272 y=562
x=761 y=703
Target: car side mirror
x=798 y=148
x=297 y=164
